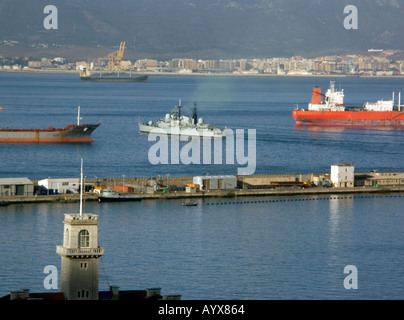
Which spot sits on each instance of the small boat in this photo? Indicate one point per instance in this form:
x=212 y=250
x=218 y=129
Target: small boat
x=109 y=195
x=190 y=204
x=3 y=203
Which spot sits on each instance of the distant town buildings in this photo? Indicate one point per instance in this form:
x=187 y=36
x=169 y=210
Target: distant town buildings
x=375 y=62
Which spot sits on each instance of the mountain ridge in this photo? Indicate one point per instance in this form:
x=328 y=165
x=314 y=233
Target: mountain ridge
x=201 y=29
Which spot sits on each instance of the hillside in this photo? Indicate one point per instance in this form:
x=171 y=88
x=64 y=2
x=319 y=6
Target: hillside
x=199 y=28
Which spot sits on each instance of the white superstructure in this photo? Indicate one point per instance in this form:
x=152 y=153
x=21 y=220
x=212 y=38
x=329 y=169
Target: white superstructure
x=333 y=100
x=177 y=124
x=379 y=106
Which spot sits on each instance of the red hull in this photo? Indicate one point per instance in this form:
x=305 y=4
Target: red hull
x=44 y=140
x=350 y=118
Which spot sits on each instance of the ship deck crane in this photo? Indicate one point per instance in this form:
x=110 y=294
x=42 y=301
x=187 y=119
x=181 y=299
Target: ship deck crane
x=115 y=58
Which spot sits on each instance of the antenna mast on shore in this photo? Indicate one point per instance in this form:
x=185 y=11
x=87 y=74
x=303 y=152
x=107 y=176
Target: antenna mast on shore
x=81 y=189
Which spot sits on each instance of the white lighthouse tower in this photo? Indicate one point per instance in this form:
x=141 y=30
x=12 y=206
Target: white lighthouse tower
x=80 y=253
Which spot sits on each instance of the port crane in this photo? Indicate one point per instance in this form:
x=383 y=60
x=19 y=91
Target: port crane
x=115 y=58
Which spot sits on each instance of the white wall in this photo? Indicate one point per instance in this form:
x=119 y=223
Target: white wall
x=63 y=185
x=342 y=176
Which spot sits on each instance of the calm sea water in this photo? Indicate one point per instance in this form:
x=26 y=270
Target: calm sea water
x=294 y=249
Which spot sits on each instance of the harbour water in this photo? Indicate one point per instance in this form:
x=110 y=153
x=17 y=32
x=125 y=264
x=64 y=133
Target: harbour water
x=293 y=248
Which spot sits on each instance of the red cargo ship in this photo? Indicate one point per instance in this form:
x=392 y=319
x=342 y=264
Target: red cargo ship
x=328 y=110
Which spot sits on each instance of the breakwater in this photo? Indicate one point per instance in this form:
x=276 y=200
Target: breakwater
x=215 y=195
x=172 y=187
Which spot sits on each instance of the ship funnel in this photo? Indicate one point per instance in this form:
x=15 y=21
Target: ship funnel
x=316 y=96
x=194 y=114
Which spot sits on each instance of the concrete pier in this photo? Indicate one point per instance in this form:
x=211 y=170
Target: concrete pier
x=315 y=191
x=256 y=185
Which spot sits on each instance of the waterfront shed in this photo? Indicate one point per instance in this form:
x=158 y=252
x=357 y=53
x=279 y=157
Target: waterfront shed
x=61 y=185
x=215 y=182
x=386 y=179
x=10 y=187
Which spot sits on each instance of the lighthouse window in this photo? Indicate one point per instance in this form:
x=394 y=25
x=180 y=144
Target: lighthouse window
x=84 y=239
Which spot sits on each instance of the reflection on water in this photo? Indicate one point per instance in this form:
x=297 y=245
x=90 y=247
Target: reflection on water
x=280 y=248
x=340 y=212
x=320 y=128
x=237 y=248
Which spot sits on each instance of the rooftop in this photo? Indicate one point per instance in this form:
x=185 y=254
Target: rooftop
x=23 y=180
x=85 y=218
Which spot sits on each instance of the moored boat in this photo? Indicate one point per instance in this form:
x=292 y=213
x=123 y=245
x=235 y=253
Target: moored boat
x=109 y=195
x=189 y=204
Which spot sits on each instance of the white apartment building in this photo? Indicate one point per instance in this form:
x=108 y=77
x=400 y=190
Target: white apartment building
x=342 y=175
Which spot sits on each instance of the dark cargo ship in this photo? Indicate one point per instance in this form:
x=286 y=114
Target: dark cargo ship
x=79 y=133
x=87 y=76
